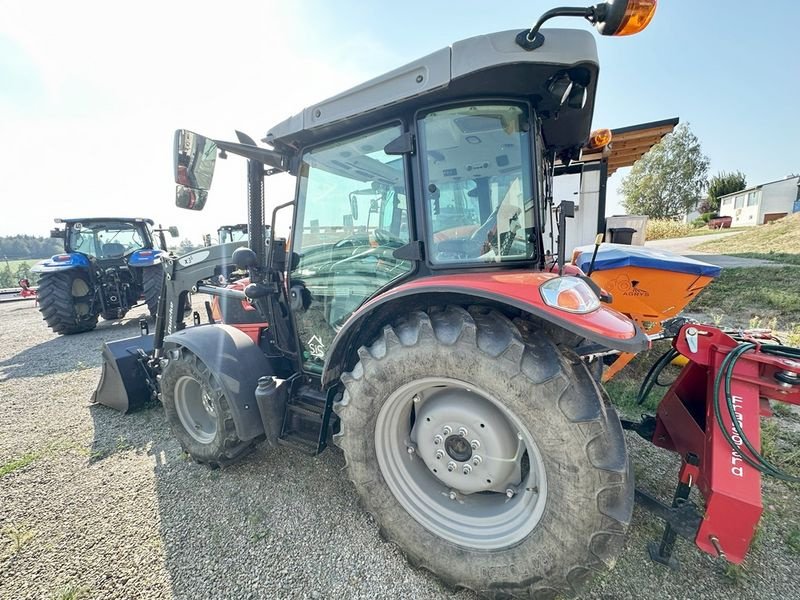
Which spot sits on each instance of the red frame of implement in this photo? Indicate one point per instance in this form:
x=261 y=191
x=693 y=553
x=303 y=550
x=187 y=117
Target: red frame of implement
x=686 y=423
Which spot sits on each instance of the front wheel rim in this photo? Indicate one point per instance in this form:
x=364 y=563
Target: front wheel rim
x=195 y=409
x=422 y=463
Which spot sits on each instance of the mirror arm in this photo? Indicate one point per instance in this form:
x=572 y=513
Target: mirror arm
x=271 y=158
x=530 y=39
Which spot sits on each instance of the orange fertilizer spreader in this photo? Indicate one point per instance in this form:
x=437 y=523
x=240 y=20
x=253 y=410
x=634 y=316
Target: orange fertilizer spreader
x=651 y=286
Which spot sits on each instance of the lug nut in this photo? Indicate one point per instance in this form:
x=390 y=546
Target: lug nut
x=438 y=439
x=462 y=431
x=476 y=460
x=466 y=470
x=509 y=493
x=415 y=399
x=451 y=466
x=439 y=454
x=411 y=449
x=453 y=496
x=447 y=430
x=475 y=444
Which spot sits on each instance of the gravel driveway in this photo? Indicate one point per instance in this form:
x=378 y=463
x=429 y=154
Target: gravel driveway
x=100 y=505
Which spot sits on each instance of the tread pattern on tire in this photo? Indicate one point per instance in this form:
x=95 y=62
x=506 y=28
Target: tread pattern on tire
x=226 y=450
x=56 y=303
x=565 y=380
x=152 y=282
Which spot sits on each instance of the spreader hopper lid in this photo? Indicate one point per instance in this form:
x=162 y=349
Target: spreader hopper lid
x=615 y=256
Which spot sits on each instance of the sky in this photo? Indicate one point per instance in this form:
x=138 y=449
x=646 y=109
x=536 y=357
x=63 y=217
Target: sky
x=91 y=92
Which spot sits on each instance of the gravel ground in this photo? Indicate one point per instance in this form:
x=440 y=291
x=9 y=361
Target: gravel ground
x=108 y=507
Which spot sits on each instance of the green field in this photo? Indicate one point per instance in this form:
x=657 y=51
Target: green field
x=9 y=271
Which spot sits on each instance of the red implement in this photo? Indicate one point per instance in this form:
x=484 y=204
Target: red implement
x=686 y=423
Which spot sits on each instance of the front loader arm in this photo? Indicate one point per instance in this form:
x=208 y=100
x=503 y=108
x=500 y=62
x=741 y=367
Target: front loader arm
x=184 y=275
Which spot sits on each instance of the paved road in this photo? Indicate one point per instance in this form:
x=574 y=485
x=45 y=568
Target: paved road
x=686 y=247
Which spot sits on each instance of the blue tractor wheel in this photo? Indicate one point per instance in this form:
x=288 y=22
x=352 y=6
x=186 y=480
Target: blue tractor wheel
x=66 y=301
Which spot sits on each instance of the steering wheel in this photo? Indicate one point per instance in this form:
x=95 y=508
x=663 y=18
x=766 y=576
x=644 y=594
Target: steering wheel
x=385 y=239
x=352 y=241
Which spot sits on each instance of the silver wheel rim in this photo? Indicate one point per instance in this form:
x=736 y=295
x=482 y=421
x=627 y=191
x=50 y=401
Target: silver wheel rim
x=499 y=501
x=195 y=409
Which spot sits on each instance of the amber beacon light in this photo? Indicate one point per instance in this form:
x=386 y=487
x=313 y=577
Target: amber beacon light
x=600 y=138
x=624 y=17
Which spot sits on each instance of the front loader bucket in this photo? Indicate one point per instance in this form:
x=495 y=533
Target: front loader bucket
x=124 y=380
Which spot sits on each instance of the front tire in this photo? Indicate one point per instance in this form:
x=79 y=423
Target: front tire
x=548 y=502
x=198 y=411
x=65 y=301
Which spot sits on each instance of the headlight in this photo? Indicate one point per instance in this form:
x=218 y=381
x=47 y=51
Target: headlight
x=570 y=294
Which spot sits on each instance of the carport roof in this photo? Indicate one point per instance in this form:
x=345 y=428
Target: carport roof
x=629 y=144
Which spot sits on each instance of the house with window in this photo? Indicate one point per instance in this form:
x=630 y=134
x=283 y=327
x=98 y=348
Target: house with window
x=762 y=203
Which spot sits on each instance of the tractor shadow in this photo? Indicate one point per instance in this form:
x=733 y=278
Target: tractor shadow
x=277 y=524
x=64 y=353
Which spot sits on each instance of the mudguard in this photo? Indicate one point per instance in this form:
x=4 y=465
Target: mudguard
x=61 y=262
x=146 y=257
x=518 y=289
x=237 y=363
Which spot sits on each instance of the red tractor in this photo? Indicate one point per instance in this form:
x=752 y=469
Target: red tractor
x=415 y=316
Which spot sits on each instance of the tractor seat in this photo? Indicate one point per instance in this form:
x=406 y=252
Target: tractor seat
x=113 y=250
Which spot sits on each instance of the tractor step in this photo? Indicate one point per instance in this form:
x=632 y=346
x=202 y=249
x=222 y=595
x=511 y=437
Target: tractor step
x=306 y=423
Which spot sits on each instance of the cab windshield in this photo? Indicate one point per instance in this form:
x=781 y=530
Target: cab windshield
x=478 y=184
x=109 y=239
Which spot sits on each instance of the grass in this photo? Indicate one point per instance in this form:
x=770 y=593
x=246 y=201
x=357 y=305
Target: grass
x=793 y=540
x=18 y=463
x=72 y=592
x=701 y=231
x=18 y=535
x=778 y=241
x=744 y=293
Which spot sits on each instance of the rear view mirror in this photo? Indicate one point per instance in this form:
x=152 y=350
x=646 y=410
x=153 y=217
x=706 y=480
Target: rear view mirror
x=354 y=206
x=194 y=157
x=190 y=198
x=173 y=231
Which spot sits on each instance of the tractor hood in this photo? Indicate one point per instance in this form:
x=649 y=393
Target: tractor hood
x=486 y=66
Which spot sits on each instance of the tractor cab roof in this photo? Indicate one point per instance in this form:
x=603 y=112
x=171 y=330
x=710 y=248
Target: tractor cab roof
x=106 y=219
x=486 y=66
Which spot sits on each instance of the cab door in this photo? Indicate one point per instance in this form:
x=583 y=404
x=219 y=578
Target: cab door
x=352 y=214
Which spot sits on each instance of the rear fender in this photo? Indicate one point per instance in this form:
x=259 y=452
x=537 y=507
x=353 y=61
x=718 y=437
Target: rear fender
x=61 y=262
x=146 y=257
x=516 y=290
x=237 y=364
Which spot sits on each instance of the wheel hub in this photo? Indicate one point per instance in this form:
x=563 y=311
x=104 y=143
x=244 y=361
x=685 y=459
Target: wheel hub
x=466 y=442
x=457 y=446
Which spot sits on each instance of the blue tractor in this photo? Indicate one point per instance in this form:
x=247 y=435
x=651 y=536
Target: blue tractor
x=109 y=265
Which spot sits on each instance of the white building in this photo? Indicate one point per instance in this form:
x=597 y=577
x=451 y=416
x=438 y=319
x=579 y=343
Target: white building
x=762 y=203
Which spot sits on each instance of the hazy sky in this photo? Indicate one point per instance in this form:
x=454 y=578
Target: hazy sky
x=91 y=92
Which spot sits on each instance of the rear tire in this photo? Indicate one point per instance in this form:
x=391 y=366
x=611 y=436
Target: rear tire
x=65 y=301
x=152 y=282
x=482 y=369
x=198 y=412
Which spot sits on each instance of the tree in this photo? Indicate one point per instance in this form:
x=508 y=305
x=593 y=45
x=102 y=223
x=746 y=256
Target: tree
x=721 y=184
x=667 y=181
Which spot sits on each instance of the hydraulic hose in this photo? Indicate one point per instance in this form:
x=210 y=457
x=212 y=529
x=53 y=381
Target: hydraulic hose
x=651 y=379
x=723 y=378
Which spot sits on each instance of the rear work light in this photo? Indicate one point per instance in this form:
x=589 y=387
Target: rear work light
x=569 y=294
x=62 y=258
